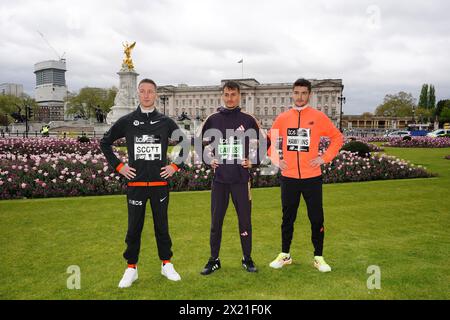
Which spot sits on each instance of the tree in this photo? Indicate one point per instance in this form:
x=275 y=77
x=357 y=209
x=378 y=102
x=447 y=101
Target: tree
x=431 y=98
x=424 y=115
x=15 y=107
x=8 y=105
x=86 y=103
x=423 y=99
x=396 y=105
x=107 y=103
x=439 y=106
x=442 y=111
x=445 y=114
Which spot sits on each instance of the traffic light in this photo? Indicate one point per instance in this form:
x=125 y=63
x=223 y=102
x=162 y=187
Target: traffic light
x=29 y=113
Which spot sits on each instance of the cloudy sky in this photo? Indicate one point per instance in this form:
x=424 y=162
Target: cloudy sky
x=376 y=47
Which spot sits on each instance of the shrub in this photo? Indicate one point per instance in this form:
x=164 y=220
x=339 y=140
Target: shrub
x=362 y=149
x=84 y=139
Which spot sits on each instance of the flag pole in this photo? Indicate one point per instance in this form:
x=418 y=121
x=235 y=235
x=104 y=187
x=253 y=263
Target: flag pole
x=242 y=62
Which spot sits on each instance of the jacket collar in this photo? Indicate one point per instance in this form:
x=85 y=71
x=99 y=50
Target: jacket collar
x=145 y=115
x=298 y=109
x=225 y=110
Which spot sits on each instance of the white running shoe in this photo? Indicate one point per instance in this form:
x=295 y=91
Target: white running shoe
x=321 y=265
x=281 y=260
x=168 y=271
x=128 y=278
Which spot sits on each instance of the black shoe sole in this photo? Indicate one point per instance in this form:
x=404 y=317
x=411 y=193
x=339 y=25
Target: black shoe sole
x=250 y=270
x=203 y=273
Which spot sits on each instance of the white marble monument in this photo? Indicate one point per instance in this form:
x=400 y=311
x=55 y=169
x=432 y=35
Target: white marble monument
x=126 y=99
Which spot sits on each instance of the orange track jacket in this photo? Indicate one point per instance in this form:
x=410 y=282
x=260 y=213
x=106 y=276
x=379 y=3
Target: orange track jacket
x=300 y=132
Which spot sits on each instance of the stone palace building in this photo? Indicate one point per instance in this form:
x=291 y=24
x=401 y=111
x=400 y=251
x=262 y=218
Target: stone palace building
x=263 y=100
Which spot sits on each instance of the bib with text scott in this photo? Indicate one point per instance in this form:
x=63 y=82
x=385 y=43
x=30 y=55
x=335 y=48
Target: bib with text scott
x=298 y=139
x=147 y=147
x=231 y=149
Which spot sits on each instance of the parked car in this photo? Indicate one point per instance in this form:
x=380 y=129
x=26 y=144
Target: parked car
x=398 y=133
x=438 y=133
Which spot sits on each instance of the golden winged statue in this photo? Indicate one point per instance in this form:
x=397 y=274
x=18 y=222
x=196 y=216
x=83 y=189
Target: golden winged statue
x=127 y=61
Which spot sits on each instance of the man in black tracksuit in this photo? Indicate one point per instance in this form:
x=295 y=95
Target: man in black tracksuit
x=147 y=134
x=231 y=163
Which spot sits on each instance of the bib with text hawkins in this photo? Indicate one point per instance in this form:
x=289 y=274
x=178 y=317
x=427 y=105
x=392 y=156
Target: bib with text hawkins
x=298 y=139
x=147 y=147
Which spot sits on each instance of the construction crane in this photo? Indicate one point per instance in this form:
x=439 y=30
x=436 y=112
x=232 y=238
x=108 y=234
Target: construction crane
x=60 y=57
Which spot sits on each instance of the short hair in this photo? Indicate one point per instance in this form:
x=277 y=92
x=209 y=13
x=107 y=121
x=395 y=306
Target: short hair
x=302 y=83
x=148 y=81
x=233 y=85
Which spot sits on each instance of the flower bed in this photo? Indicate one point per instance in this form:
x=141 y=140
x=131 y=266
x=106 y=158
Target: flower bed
x=34 y=146
x=349 y=167
x=419 y=142
x=36 y=168
x=56 y=175
x=376 y=139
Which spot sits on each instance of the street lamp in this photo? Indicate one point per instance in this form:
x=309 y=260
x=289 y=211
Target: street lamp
x=341 y=100
x=164 y=99
x=202 y=109
x=164 y=94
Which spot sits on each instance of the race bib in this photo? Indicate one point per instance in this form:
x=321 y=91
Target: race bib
x=147 y=147
x=298 y=139
x=230 y=149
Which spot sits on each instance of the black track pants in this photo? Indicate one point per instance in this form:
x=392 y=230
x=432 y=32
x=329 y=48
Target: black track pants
x=220 y=196
x=159 y=201
x=291 y=191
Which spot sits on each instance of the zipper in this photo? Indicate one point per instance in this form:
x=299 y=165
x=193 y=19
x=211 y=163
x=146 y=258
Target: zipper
x=298 y=152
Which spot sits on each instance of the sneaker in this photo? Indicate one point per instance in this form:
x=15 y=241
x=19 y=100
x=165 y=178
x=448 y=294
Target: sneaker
x=128 y=278
x=211 y=266
x=249 y=265
x=168 y=271
x=281 y=260
x=321 y=265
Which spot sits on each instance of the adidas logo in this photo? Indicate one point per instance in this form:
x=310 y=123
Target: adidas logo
x=240 y=128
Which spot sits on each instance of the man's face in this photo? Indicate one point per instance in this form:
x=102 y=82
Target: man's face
x=231 y=97
x=147 y=95
x=300 y=95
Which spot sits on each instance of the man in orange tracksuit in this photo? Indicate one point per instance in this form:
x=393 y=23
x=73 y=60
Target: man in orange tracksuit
x=295 y=138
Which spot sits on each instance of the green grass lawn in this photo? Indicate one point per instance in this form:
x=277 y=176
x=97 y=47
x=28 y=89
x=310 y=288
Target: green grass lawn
x=399 y=225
